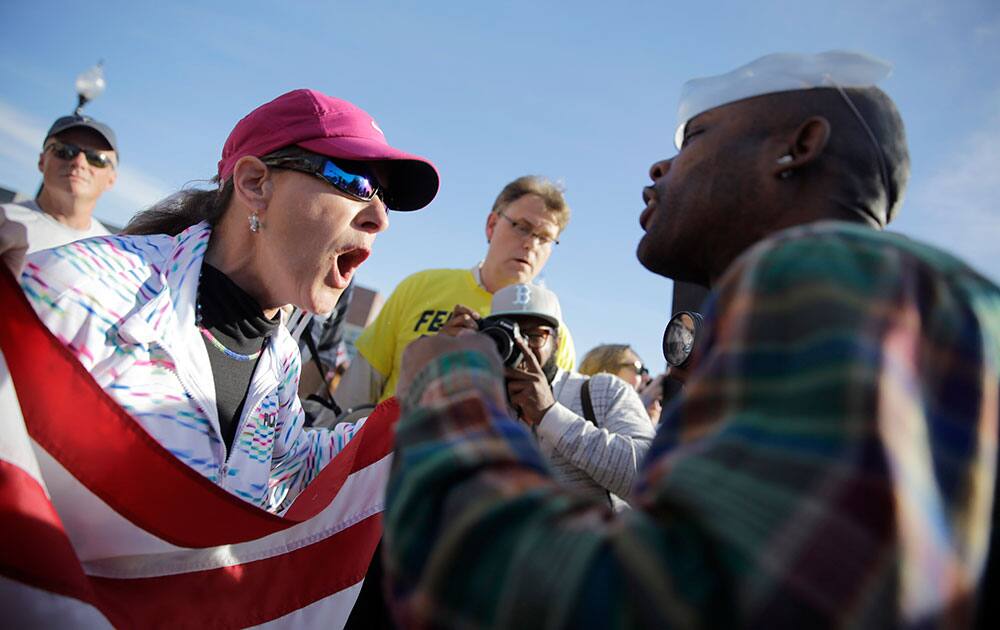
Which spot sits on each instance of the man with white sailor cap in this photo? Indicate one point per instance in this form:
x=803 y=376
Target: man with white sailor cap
x=782 y=141
x=833 y=458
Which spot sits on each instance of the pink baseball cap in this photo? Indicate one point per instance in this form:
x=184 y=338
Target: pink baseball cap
x=335 y=128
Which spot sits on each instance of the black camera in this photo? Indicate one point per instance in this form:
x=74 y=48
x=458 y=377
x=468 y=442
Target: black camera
x=503 y=332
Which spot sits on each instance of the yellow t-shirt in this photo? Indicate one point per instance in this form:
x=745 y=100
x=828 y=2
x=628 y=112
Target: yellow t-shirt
x=420 y=305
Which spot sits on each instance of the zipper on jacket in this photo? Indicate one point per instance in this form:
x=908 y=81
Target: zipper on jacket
x=259 y=398
x=254 y=398
x=249 y=409
x=189 y=391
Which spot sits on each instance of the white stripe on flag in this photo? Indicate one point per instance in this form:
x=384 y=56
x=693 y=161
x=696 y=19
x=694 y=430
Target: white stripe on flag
x=28 y=607
x=15 y=446
x=329 y=612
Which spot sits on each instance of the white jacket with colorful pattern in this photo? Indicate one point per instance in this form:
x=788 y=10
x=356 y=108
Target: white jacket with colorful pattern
x=125 y=307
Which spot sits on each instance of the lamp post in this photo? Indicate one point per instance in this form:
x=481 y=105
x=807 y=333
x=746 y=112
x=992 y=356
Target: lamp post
x=89 y=85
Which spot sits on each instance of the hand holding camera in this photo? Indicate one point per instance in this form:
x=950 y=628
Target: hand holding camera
x=527 y=387
x=462 y=321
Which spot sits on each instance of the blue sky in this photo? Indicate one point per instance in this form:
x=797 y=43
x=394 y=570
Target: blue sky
x=582 y=92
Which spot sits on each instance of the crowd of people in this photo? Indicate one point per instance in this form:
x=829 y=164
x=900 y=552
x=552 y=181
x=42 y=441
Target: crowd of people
x=830 y=461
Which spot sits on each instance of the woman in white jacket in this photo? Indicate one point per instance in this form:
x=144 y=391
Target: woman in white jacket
x=179 y=319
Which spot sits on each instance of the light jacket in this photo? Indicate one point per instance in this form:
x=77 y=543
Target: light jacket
x=125 y=307
x=603 y=456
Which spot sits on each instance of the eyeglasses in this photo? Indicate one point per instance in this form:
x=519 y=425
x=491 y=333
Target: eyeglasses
x=639 y=368
x=536 y=337
x=67 y=151
x=354 y=179
x=526 y=231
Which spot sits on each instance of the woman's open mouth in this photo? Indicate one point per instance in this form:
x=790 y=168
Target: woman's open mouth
x=346 y=264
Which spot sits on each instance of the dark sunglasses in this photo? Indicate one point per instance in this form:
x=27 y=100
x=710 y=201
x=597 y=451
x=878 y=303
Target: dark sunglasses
x=67 y=151
x=354 y=179
x=639 y=368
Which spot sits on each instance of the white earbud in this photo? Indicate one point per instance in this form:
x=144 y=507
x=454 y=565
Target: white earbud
x=785 y=159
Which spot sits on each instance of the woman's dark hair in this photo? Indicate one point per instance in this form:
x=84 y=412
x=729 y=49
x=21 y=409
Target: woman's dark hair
x=181 y=210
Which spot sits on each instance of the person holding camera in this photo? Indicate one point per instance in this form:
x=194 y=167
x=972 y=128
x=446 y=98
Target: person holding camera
x=593 y=430
x=522 y=231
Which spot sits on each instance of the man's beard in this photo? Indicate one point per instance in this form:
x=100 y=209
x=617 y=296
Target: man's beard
x=550 y=368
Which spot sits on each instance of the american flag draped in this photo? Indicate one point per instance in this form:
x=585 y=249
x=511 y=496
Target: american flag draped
x=103 y=526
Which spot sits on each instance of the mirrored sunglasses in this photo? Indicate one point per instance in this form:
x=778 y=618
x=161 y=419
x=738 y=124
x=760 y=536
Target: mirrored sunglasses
x=67 y=151
x=353 y=179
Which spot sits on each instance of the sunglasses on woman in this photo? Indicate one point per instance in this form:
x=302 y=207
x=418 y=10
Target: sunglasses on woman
x=354 y=179
x=639 y=368
x=68 y=151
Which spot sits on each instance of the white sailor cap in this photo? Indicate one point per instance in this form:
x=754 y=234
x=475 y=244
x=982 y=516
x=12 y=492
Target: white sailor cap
x=780 y=72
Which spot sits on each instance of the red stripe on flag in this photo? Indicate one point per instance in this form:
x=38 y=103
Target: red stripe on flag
x=189 y=510
x=246 y=594
x=34 y=549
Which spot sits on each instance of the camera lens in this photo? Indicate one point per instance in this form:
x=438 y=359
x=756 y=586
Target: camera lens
x=503 y=332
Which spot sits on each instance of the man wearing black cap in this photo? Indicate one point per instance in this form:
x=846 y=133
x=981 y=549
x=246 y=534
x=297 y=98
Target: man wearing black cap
x=78 y=162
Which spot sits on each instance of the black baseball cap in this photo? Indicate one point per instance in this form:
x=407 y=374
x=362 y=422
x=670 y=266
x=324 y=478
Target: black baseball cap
x=78 y=120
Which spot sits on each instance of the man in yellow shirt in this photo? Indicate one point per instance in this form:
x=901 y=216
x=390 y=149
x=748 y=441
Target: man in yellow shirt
x=522 y=229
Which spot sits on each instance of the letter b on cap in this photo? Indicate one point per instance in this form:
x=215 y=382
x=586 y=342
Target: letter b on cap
x=522 y=296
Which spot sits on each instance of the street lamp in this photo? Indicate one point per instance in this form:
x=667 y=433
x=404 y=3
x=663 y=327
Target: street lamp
x=89 y=85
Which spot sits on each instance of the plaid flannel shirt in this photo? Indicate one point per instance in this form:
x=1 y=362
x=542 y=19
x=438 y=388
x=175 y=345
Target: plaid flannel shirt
x=831 y=463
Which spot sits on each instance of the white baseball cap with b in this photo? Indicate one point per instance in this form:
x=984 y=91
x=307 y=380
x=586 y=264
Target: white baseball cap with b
x=527 y=299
